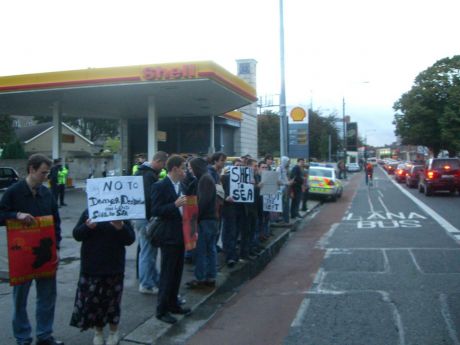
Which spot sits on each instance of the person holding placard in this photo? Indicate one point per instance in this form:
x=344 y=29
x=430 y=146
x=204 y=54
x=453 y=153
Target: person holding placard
x=285 y=183
x=25 y=200
x=167 y=201
x=102 y=266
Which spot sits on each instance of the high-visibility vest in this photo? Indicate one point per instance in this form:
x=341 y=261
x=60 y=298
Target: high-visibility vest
x=163 y=174
x=62 y=175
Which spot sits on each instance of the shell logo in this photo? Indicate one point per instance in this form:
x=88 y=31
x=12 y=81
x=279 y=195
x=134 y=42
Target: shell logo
x=298 y=114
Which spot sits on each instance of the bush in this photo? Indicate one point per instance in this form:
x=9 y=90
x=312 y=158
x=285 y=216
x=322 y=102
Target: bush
x=13 y=150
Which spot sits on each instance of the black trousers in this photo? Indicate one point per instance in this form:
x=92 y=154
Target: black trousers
x=61 y=190
x=295 y=202
x=172 y=265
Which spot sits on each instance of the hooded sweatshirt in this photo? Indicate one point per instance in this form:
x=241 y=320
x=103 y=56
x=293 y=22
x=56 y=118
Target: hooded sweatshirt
x=205 y=190
x=284 y=171
x=149 y=177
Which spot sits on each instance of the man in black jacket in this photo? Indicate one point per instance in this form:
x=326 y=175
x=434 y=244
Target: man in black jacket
x=206 y=251
x=148 y=274
x=298 y=178
x=25 y=200
x=167 y=202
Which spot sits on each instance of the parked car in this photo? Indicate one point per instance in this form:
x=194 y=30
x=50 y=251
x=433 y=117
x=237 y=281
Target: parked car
x=8 y=176
x=353 y=167
x=324 y=182
x=412 y=176
x=440 y=174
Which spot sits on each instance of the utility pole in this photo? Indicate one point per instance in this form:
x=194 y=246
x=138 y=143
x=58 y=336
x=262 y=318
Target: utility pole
x=283 y=118
x=344 y=136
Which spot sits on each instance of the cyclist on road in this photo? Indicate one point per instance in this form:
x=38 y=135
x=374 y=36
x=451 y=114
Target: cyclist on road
x=369 y=172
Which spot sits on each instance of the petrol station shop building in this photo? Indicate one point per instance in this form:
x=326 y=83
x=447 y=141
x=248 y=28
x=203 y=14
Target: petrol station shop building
x=190 y=107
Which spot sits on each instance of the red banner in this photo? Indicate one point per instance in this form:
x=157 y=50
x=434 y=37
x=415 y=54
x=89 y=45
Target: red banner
x=31 y=249
x=190 y=222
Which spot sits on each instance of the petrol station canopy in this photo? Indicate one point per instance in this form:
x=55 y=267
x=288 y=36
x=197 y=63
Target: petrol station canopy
x=187 y=89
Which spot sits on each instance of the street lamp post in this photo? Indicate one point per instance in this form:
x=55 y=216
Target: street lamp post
x=283 y=122
x=344 y=136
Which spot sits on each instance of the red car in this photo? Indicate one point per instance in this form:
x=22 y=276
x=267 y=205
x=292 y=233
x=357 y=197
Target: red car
x=440 y=174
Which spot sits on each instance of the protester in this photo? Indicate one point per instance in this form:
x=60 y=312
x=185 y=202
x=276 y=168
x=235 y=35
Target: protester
x=25 y=200
x=100 y=285
x=218 y=160
x=231 y=217
x=285 y=184
x=205 y=252
x=296 y=187
x=305 y=187
x=167 y=201
x=263 y=222
x=269 y=161
x=250 y=247
x=148 y=274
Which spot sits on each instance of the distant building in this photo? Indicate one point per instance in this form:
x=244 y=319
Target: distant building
x=38 y=138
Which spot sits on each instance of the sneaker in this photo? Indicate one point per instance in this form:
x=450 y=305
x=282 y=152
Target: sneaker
x=113 y=338
x=98 y=338
x=152 y=291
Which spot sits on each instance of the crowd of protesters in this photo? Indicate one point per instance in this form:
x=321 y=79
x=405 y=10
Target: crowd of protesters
x=237 y=229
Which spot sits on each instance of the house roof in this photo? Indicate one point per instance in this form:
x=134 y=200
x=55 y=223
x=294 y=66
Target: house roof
x=30 y=133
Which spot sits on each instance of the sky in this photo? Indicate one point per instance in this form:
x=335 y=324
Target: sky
x=366 y=52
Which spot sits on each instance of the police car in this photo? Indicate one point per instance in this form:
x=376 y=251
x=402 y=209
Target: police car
x=324 y=182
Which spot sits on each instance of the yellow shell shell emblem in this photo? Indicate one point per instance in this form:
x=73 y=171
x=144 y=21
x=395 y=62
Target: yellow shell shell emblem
x=298 y=114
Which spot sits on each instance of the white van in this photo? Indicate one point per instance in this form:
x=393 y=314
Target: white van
x=372 y=160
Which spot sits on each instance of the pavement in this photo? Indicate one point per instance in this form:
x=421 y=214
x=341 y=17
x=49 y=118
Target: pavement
x=138 y=322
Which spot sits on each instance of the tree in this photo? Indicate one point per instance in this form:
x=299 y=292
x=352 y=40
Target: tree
x=320 y=128
x=429 y=113
x=13 y=150
x=6 y=130
x=92 y=129
x=268 y=132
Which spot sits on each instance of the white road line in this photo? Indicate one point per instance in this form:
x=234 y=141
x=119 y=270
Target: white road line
x=380 y=192
x=432 y=213
x=448 y=319
x=370 y=203
x=414 y=260
x=383 y=205
x=297 y=322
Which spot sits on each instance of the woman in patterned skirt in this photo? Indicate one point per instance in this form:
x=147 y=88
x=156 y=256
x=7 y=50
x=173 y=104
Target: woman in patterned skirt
x=100 y=286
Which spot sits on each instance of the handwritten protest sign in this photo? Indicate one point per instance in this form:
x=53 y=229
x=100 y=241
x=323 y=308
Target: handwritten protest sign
x=241 y=184
x=273 y=202
x=31 y=249
x=269 y=182
x=115 y=198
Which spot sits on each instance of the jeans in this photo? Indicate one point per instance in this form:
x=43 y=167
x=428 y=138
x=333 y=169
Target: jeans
x=44 y=310
x=286 y=199
x=206 y=250
x=148 y=274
